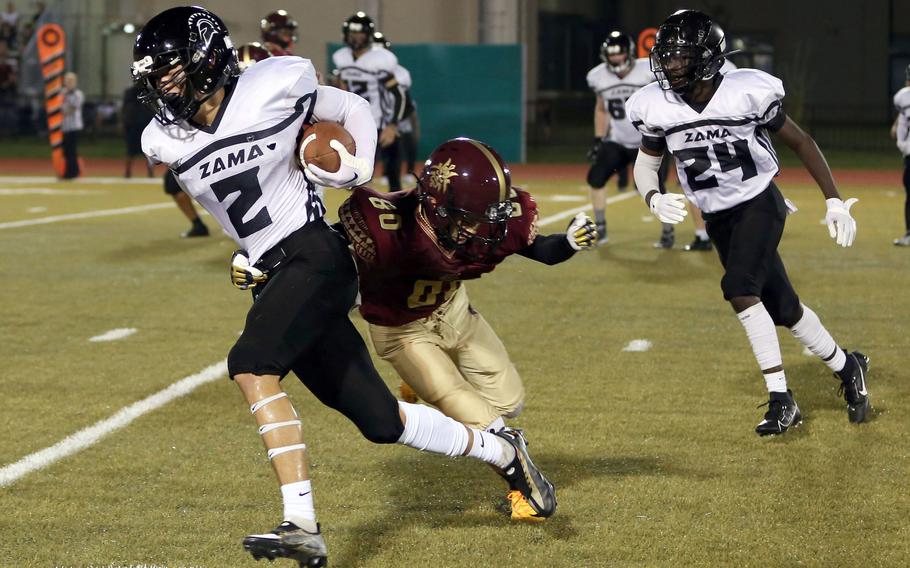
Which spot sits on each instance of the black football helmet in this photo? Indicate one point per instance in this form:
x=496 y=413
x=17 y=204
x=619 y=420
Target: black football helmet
x=689 y=47
x=618 y=42
x=191 y=47
x=280 y=28
x=379 y=38
x=464 y=192
x=358 y=23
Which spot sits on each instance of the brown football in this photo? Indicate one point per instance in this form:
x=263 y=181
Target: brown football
x=319 y=153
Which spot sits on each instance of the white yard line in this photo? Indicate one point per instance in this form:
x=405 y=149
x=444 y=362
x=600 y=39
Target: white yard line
x=114 y=334
x=85 y=215
x=568 y=213
x=48 y=191
x=88 y=436
x=101 y=180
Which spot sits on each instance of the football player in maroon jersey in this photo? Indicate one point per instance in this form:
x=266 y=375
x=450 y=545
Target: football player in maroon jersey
x=413 y=250
x=279 y=32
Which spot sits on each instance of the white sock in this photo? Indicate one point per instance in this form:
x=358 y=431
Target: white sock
x=701 y=234
x=496 y=425
x=298 y=504
x=491 y=449
x=811 y=333
x=763 y=337
x=428 y=430
x=776 y=381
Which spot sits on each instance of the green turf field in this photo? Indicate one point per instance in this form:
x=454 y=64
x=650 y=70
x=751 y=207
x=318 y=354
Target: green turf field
x=653 y=453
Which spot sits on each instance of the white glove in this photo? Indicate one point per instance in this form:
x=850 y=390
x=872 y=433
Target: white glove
x=581 y=233
x=840 y=224
x=669 y=207
x=352 y=172
x=243 y=275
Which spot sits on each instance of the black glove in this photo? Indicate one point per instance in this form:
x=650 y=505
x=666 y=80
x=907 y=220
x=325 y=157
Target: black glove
x=592 y=153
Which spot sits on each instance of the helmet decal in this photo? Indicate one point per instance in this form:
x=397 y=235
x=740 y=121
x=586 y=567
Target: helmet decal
x=440 y=174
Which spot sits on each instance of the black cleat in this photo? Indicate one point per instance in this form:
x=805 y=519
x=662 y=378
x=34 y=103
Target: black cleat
x=602 y=237
x=197 y=230
x=854 y=390
x=287 y=540
x=667 y=239
x=522 y=475
x=782 y=414
x=699 y=245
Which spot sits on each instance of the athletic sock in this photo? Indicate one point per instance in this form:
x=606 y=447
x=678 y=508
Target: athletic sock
x=298 y=504
x=496 y=425
x=491 y=449
x=811 y=333
x=600 y=217
x=701 y=234
x=763 y=336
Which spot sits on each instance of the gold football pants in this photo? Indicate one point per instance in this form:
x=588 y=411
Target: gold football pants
x=454 y=361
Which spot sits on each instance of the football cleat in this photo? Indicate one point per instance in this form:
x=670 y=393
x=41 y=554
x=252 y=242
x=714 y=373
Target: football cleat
x=197 y=230
x=522 y=475
x=287 y=540
x=667 y=239
x=407 y=393
x=602 y=237
x=522 y=511
x=699 y=245
x=854 y=390
x=782 y=414
x=903 y=241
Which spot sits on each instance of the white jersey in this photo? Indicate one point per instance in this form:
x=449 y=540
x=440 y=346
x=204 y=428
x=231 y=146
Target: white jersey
x=902 y=104
x=723 y=154
x=242 y=168
x=367 y=75
x=614 y=91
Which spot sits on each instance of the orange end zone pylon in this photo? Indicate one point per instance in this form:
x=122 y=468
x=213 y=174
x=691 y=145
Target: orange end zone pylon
x=51 y=52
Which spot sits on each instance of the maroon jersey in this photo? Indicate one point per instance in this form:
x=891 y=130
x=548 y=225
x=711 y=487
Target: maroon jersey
x=404 y=272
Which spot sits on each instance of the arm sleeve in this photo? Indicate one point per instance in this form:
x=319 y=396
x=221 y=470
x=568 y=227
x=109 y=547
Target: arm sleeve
x=353 y=112
x=549 y=249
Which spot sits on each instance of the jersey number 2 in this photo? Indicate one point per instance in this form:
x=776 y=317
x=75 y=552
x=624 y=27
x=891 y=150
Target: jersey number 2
x=741 y=158
x=247 y=183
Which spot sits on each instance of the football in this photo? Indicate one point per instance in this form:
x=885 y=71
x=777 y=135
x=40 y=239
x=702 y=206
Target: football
x=318 y=152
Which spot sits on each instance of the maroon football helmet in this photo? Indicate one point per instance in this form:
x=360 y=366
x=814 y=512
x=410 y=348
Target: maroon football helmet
x=279 y=28
x=250 y=53
x=465 y=191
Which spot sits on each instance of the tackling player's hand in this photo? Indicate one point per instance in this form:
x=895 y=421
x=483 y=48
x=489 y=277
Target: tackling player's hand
x=352 y=172
x=581 y=233
x=243 y=275
x=841 y=225
x=592 y=153
x=668 y=207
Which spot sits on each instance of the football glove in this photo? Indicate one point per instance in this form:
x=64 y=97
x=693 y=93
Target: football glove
x=841 y=225
x=243 y=275
x=592 y=153
x=581 y=232
x=669 y=207
x=352 y=172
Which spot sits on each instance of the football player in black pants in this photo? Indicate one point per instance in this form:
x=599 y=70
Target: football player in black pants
x=230 y=139
x=716 y=125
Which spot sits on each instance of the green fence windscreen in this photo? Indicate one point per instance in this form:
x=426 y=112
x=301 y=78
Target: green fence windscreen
x=466 y=90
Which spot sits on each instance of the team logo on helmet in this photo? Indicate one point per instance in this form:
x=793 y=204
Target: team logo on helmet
x=440 y=174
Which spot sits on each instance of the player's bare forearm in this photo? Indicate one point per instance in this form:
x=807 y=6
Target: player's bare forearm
x=810 y=155
x=601 y=119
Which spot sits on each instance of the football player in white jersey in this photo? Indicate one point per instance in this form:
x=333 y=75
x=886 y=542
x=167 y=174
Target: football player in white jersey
x=404 y=143
x=616 y=141
x=230 y=140
x=900 y=131
x=368 y=69
x=716 y=126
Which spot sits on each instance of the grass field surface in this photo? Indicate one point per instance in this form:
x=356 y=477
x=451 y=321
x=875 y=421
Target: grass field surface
x=652 y=452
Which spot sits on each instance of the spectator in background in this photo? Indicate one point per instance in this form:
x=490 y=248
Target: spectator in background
x=39 y=10
x=135 y=117
x=73 y=99
x=8 y=35
x=10 y=16
x=9 y=74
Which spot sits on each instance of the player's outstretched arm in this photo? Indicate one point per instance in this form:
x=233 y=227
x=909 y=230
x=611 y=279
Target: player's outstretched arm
x=353 y=112
x=841 y=225
x=581 y=234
